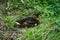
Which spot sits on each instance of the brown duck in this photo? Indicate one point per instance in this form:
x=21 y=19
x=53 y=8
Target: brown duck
x=28 y=22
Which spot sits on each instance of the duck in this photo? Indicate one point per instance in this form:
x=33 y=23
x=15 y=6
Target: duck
x=28 y=21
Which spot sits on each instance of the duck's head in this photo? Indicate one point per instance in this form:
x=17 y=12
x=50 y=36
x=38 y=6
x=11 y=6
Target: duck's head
x=35 y=15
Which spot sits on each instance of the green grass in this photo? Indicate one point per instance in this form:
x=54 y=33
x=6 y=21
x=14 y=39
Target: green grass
x=48 y=29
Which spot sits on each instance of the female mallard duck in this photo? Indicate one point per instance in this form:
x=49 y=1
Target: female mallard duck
x=28 y=22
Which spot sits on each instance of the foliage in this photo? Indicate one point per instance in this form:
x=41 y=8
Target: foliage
x=48 y=29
